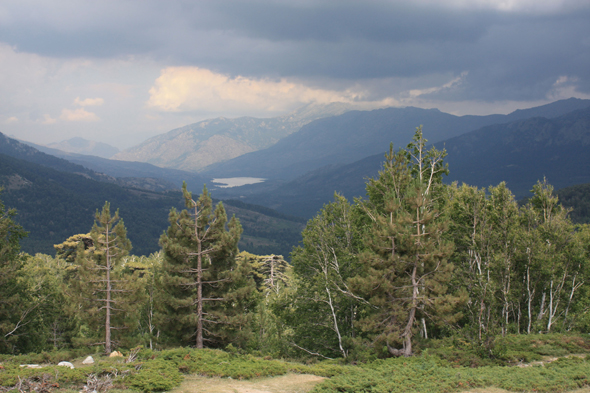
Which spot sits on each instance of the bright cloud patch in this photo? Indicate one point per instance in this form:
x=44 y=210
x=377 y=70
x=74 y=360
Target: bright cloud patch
x=48 y=119
x=89 y=101
x=447 y=86
x=192 y=88
x=79 y=114
x=12 y=119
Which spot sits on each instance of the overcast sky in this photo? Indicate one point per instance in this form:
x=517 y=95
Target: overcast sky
x=122 y=71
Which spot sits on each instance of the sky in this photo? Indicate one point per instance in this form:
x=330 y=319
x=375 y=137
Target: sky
x=122 y=71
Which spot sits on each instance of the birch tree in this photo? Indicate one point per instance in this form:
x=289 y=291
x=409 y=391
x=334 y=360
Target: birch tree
x=562 y=256
x=471 y=231
x=324 y=308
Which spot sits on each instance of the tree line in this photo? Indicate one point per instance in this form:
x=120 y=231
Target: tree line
x=414 y=260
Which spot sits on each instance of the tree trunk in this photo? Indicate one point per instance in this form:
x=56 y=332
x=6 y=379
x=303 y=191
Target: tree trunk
x=199 y=291
x=108 y=348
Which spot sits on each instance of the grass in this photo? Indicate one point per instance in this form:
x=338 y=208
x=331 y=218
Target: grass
x=449 y=365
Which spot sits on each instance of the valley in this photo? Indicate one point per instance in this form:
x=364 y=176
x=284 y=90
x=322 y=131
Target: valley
x=303 y=168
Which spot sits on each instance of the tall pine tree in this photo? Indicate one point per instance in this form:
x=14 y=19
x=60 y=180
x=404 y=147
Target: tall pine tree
x=14 y=309
x=407 y=267
x=101 y=285
x=209 y=294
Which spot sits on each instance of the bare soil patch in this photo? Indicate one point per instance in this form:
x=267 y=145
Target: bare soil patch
x=289 y=383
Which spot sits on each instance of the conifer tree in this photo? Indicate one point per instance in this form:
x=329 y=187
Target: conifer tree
x=209 y=292
x=101 y=284
x=13 y=302
x=407 y=261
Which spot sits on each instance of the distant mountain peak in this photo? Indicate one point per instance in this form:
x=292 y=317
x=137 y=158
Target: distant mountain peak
x=80 y=145
x=198 y=145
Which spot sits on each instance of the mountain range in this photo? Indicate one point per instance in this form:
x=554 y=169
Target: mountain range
x=57 y=192
x=355 y=135
x=519 y=152
x=195 y=146
x=141 y=174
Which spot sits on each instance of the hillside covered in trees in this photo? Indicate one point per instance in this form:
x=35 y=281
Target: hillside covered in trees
x=416 y=260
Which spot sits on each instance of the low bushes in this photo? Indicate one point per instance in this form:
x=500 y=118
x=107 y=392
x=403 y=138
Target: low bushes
x=429 y=374
x=155 y=376
x=216 y=363
x=509 y=350
x=447 y=365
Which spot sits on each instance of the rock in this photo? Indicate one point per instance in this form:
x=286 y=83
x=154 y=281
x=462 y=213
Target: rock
x=88 y=360
x=66 y=364
x=31 y=366
x=116 y=354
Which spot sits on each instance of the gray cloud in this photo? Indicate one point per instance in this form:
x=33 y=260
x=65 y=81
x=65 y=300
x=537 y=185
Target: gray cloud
x=386 y=47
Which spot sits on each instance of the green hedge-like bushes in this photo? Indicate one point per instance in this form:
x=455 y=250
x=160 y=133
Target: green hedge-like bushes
x=155 y=376
x=216 y=363
x=427 y=374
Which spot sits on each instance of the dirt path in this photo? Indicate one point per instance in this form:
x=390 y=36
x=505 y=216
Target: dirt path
x=290 y=383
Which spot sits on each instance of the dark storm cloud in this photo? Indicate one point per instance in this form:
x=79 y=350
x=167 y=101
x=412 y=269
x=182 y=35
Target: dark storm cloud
x=507 y=55
x=338 y=21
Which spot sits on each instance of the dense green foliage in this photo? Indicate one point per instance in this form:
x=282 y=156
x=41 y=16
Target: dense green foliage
x=15 y=302
x=577 y=198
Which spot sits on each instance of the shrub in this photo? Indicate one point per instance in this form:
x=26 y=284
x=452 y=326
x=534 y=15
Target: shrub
x=155 y=376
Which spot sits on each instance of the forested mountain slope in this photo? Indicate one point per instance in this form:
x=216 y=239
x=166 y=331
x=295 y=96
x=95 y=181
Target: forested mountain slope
x=13 y=148
x=520 y=153
x=523 y=152
x=53 y=205
x=578 y=199
x=355 y=135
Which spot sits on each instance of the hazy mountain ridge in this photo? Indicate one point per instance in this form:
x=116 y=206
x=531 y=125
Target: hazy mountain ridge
x=14 y=148
x=198 y=145
x=128 y=173
x=71 y=163
x=355 y=135
x=83 y=146
x=520 y=153
x=55 y=202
